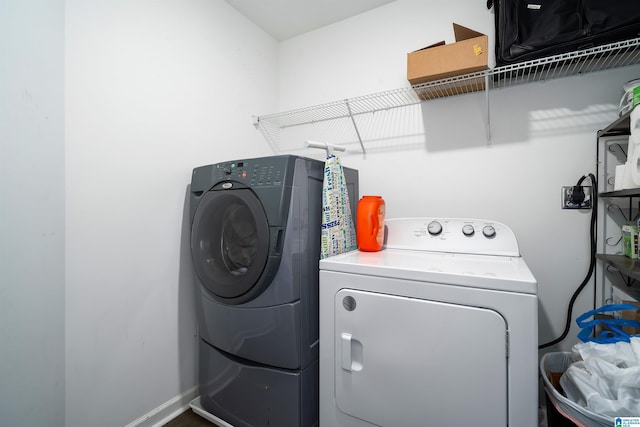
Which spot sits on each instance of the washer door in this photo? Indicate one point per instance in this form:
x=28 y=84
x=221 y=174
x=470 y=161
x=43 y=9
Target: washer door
x=230 y=244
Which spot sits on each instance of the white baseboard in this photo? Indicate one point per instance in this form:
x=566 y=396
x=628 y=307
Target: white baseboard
x=198 y=409
x=167 y=411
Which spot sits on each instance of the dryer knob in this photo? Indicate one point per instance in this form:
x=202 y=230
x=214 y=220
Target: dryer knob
x=468 y=230
x=227 y=169
x=489 y=231
x=434 y=228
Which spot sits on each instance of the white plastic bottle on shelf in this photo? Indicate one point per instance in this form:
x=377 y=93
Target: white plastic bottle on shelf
x=633 y=160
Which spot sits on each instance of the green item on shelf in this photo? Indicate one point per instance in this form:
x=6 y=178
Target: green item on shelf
x=630 y=240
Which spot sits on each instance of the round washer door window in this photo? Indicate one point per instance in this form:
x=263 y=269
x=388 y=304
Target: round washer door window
x=230 y=242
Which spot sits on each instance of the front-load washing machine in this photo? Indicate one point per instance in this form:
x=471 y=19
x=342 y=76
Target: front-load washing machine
x=439 y=328
x=255 y=244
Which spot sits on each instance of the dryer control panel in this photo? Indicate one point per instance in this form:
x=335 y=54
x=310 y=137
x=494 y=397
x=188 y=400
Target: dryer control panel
x=455 y=235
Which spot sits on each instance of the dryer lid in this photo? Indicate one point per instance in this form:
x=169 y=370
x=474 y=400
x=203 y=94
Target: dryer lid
x=465 y=252
x=510 y=274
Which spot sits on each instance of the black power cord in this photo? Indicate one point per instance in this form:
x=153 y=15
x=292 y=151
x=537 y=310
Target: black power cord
x=592 y=260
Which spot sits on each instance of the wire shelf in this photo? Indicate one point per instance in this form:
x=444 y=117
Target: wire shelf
x=599 y=58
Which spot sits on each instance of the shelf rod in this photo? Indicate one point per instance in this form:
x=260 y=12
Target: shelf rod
x=329 y=148
x=355 y=126
x=486 y=97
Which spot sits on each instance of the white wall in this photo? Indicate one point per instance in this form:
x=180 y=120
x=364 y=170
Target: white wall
x=153 y=89
x=32 y=373
x=543 y=137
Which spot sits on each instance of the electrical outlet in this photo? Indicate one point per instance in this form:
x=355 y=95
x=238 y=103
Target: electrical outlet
x=576 y=197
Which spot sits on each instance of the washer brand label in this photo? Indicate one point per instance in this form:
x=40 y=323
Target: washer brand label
x=227 y=185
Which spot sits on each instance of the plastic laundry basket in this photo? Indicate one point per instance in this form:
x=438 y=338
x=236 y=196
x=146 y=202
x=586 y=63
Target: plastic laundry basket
x=582 y=417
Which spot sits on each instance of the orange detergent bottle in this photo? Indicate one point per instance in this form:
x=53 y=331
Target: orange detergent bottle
x=370 y=223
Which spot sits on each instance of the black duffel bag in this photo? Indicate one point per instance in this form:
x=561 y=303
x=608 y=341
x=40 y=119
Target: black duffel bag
x=534 y=29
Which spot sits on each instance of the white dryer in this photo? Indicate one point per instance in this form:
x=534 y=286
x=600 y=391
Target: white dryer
x=439 y=328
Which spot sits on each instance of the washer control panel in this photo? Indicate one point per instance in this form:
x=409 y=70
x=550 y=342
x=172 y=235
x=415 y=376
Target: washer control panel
x=455 y=235
x=252 y=172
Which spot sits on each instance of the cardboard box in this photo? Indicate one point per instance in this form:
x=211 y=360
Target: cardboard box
x=631 y=315
x=468 y=54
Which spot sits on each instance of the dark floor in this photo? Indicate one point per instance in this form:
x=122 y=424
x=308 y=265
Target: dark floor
x=189 y=419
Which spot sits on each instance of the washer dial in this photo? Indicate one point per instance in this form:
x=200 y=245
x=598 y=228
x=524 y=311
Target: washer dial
x=468 y=230
x=434 y=228
x=489 y=231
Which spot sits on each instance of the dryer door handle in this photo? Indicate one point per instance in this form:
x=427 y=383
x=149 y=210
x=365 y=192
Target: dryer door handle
x=351 y=353
x=346 y=351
